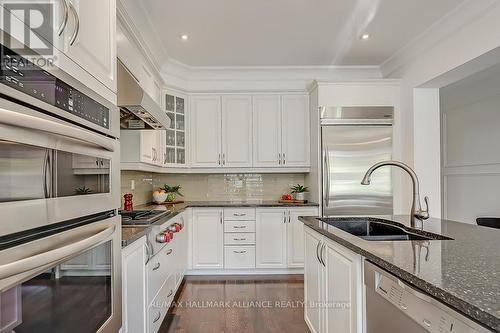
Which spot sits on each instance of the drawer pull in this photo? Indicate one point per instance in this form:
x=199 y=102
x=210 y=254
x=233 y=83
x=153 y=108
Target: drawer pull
x=156 y=267
x=170 y=251
x=240 y=214
x=240 y=227
x=170 y=293
x=158 y=316
x=240 y=252
x=239 y=239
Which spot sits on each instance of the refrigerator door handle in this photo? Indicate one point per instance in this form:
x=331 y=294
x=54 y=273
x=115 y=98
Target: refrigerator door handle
x=326 y=174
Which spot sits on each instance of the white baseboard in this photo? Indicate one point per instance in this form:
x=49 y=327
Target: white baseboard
x=286 y=271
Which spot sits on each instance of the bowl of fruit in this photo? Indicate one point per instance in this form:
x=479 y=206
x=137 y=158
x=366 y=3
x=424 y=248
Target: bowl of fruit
x=160 y=195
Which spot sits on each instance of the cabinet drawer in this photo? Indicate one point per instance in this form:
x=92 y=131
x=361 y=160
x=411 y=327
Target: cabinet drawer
x=239 y=257
x=157 y=270
x=239 y=238
x=239 y=214
x=239 y=226
x=160 y=305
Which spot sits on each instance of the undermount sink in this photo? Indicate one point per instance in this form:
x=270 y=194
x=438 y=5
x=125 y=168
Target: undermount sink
x=380 y=231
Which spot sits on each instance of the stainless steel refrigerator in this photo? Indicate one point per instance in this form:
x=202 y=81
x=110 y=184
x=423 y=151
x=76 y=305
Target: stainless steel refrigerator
x=353 y=139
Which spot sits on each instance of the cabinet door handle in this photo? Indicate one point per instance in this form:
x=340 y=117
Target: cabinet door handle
x=170 y=293
x=240 y=227
x=239 y=214
x=220 y=218
x=170 y=252
x=240 y=252
x=284 y=158
x=239 y=239
x=279 y=158
x=317 y=252
x=156 y=267
x=65 y=18
x=77 y=24
x=223 y=159
x=289 y=217
x=219 y=160
x=284 y=217
x=321 y=255
x=158 y=316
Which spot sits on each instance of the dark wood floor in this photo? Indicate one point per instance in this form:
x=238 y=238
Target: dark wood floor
x=238 y=304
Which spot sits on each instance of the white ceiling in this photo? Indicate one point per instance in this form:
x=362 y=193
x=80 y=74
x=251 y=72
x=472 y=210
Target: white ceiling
x=290 y=32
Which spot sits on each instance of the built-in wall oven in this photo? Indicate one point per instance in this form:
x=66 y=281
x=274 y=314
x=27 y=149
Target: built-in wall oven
x=60 y=235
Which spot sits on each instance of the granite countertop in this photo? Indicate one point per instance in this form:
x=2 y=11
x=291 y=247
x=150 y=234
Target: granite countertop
x=132 y=233
x=463 y=273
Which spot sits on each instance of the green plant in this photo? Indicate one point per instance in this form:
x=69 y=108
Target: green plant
x=299 y=189
x=83 y=190
x=172 y=189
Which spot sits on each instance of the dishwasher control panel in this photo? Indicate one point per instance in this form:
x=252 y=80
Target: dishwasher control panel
x=419 y=307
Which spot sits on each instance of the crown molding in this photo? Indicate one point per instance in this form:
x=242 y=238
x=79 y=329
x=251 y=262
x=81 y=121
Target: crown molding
x=467 y=11
x=259 y=78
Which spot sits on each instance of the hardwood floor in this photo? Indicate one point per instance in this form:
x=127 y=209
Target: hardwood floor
x=238 y=304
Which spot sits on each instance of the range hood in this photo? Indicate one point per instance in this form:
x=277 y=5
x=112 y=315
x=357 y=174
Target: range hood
x=137 y=109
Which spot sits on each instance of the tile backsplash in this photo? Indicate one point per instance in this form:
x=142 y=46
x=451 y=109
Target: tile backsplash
x=231 y=187
x=212 y=187
x=143 y=192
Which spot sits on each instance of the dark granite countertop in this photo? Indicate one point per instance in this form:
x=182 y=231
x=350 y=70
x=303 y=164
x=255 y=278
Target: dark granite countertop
x=463 y=273
x=132 y=233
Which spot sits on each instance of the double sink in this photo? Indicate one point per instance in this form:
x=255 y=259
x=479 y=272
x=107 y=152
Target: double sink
x=380 y=231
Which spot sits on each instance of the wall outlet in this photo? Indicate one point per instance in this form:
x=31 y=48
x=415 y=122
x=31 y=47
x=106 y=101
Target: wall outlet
x=132 y=185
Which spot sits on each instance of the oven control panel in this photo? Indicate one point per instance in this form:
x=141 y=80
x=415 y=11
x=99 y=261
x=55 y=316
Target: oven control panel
x=24 y=76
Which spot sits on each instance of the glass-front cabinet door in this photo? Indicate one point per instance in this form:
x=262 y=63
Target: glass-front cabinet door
x=175 y=107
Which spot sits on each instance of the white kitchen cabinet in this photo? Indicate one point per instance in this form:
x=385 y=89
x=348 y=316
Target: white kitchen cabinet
x=295 y=136
x=266 y=131
x=281 y=131
x=237 y=131
x=332 y=278
x=342 y=286
x=206 y=131
x=295 y=235
x=207 y=239
x=312 y=283
x=280 y=237
x=93 y=23
x=134 y=304
x=142 y=146
x=175 y=139
x=271 y=224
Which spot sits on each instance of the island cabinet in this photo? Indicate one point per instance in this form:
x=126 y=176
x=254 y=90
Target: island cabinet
x=332 y=286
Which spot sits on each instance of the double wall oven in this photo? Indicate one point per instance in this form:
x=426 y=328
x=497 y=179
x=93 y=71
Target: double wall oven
x=60 y=235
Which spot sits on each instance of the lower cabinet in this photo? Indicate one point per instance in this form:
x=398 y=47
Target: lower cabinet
x=280 y=237
x=208 y=239
x=332 y=286
x=134 y=298
x=149 y=284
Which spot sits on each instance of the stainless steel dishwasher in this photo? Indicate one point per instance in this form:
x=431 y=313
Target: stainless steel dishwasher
x=392 y=307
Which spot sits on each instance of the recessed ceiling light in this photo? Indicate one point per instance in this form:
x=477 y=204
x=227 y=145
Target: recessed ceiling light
x=184 y=37
x=365 y=36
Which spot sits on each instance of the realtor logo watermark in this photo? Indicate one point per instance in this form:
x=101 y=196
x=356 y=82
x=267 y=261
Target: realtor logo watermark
x=32 y=40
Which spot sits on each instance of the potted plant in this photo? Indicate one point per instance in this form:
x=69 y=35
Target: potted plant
x=172 y=192
x=299 y=192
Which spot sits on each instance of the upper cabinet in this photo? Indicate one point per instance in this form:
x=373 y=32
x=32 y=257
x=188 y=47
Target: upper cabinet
x=267 y=131
x=281 y=131
x=236 y=131
x=206 y=131
x=90 y=38
x=175 y=139
x=222 y=131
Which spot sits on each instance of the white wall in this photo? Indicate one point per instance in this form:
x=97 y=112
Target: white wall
x=454 y=48
x=471 y=154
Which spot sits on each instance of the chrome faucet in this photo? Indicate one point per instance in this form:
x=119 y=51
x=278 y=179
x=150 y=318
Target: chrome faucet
x=417 y=214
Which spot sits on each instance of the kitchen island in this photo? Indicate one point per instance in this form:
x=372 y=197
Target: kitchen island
x=462 y=272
